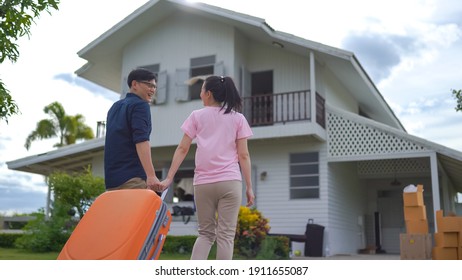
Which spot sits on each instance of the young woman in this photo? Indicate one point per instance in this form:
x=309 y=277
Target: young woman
x=221 y=135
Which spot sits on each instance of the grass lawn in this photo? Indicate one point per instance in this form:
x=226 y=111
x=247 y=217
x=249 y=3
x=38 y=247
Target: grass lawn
x=17 y=254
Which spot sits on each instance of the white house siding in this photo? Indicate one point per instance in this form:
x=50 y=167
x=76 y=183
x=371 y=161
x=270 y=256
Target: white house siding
x=347 y=203
x=241 y=46
x=172 y=44
x=291 y=71
x=272 y=195
x=204 y=37
x=336 y=94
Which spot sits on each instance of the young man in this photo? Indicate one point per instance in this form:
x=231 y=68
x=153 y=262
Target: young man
x=127 y=152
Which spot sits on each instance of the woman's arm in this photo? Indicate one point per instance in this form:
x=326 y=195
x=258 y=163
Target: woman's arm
x=178 y=157
x=244 y=162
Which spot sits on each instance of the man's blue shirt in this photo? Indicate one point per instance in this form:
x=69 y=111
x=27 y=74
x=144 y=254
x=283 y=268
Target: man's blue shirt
x=128 y=123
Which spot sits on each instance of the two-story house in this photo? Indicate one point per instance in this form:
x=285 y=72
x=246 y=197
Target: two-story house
x=326 y=145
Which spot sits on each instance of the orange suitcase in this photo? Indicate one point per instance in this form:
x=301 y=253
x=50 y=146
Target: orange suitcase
x=120 y=225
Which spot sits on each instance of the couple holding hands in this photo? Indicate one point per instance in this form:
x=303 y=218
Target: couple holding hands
x=222 y=157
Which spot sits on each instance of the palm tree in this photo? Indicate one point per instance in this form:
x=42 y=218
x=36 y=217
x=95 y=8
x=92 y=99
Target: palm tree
x=69 y=129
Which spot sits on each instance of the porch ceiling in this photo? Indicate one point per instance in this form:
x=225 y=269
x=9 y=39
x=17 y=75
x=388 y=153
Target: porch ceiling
x=411 y=167
x=453 y=168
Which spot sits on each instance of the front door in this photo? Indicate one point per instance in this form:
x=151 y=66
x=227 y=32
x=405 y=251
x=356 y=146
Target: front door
x=390 y=207
x=262 y=98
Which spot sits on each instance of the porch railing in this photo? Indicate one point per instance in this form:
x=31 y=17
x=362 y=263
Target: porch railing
x=267 y=109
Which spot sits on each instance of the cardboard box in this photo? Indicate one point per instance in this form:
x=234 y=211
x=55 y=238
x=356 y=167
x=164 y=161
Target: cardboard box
x=448 y=224
x=440 y=253
x=447 y=239
x=415 y=246
x=415 y=213
x=460 y=233
x=460 y=238
x=417 y=226
x=414 y=198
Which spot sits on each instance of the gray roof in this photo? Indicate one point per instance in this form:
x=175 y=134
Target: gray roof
x=69 y=158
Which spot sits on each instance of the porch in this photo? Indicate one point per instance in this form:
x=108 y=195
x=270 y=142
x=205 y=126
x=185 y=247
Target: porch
x=269 y=109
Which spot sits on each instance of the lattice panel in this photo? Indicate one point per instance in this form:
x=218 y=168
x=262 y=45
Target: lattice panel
x=394 y=166
x=348 y=138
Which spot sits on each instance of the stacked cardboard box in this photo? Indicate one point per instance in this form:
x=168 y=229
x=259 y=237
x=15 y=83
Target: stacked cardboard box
x=416 y=243
x=448 y=238
x=416 y=246
x=415 y=212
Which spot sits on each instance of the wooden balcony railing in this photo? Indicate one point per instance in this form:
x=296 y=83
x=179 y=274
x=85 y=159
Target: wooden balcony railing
x=267 y=109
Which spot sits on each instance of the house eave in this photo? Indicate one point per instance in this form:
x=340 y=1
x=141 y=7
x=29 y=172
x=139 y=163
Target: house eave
x=71 y=158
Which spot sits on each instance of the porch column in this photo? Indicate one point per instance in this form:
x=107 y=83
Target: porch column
x=435 y=186
x=312 y=88
x=48 y=204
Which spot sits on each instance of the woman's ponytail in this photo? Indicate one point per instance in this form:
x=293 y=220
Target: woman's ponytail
x=224 y=91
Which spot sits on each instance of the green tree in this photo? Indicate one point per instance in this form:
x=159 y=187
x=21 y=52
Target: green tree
x=75 y=191
x=16 y=18
x=458 y=96
x=69 y=129
x=72 y=193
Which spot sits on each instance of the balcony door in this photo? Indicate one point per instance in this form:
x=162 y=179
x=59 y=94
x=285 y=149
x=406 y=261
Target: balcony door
x=262 y=98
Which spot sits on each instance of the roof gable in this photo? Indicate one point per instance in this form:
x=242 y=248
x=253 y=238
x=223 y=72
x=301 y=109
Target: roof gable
x=104 y=54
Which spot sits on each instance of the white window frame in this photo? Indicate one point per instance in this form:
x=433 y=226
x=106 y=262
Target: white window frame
x=304 y=175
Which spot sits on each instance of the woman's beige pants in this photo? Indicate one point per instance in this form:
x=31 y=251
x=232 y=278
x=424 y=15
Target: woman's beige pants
x=217 y=207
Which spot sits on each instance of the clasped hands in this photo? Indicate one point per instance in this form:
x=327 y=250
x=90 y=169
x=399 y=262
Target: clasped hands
x=156 y=185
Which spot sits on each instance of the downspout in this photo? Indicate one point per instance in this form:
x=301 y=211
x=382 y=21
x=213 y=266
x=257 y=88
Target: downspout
x=435 y=186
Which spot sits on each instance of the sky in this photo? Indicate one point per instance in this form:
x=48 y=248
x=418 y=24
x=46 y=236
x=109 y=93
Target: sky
x=412 y=50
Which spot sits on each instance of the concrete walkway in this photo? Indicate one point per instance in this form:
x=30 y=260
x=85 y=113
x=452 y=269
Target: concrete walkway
x=353 y=257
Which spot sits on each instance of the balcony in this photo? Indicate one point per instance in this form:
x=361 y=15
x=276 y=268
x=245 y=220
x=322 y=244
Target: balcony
x=269 y=109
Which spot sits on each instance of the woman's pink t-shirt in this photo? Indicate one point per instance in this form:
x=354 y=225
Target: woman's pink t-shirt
x=216 y=134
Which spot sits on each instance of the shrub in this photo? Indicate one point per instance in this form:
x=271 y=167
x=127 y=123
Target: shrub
x=45 y=235
x=251 y=230
x=7 y=240
x=274 y=248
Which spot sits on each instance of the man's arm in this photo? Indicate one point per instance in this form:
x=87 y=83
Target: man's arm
x=144 y=154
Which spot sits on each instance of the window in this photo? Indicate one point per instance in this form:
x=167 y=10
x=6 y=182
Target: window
x=304 y=175
x=161 y=93
x=201 y=66
x=154 y=68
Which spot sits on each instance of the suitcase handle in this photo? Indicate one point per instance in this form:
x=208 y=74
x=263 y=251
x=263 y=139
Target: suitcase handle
x=164 y=194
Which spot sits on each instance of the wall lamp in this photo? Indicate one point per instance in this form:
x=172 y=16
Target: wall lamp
x=263 y=175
